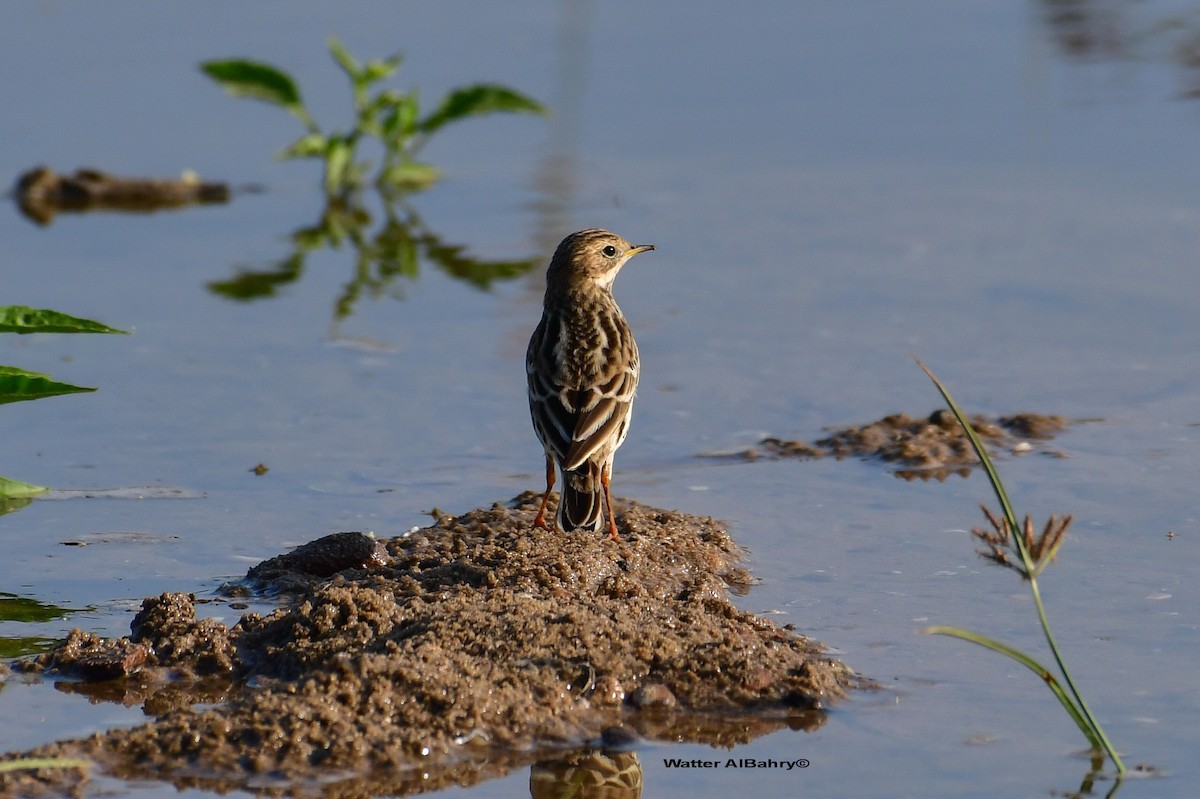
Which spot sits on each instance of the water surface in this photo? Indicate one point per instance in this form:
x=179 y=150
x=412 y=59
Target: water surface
x=832 y=188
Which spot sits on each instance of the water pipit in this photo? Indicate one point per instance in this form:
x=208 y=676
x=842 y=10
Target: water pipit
x=582 y=368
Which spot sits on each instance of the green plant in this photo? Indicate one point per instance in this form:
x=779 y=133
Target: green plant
x=391 y=116
x=17 y=385
x=1014 y=546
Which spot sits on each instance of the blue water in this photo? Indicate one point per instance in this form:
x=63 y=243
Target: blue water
x=832 y=188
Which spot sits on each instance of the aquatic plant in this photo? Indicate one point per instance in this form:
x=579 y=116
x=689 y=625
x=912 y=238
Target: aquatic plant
x=1014 y=546
x=391 y=116
x=17 y=385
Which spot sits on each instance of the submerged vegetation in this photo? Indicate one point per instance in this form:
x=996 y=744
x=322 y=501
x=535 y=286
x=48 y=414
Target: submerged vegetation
x=1014 y=546
x=18 y=385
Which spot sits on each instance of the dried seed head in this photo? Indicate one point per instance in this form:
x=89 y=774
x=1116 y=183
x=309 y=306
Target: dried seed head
x=1001 y=546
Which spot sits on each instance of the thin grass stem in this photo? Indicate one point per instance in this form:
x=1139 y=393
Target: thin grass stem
x=1079 y=709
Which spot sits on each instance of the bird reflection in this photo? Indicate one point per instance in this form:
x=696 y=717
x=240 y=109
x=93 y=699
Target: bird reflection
x=588 y=774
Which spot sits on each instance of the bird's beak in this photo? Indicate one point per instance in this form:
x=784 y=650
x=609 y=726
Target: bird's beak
x=640 y=248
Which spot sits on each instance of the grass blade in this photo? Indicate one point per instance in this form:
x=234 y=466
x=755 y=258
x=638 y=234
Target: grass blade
x=1079 y=708
x=980 y=452
x=1025 y=660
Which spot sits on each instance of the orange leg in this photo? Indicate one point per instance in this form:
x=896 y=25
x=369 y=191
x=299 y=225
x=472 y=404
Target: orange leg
x=540 y=520
x=612 y=523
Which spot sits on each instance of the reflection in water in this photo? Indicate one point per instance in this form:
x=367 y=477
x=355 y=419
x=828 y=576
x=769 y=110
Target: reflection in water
x=10 y=504
x=16 y=646
x=14 y=608
x=1085 y=28
x=20 y=608
x=1116 y=30
x=588 y=774
x=555 y=180
x=382 y=257
x=156 y=697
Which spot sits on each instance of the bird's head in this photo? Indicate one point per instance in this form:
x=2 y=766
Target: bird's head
x=591 y=257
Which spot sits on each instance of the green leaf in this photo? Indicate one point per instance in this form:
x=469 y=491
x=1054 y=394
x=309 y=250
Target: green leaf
x=310 y=145
x=377 y=70
x=410 y=175
x=399 y=118
x=16 y=386
x=16 y=370
x=347 y=62
x=15 y=488
x=477 y=100
x=244 y=78
x=23 y=319
x=339 y=155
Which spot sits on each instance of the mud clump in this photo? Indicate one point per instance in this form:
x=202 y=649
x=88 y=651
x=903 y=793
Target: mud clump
x=927 y=447
x=92 y=658
x=309 y=564
x=43 y=193
x=459 y=650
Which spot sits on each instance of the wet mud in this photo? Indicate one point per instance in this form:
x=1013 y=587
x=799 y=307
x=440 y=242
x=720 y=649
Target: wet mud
x=450 y=655
x=928 y=447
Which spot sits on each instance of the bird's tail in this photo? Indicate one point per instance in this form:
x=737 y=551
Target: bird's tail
x=581 y=506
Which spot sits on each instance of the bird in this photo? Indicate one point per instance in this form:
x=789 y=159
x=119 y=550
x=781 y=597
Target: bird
x=582 y=370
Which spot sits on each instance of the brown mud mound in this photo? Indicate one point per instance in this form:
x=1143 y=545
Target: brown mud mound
x=927 y=447
x=466 y=648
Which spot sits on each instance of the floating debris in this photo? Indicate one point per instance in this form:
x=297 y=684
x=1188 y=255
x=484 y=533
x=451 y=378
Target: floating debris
x=928 y=447
x=42 y=193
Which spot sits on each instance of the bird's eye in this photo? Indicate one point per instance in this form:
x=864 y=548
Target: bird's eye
x=609 y=250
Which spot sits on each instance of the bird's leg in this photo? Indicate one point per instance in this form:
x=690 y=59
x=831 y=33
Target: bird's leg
x=612 y=523
x=540 y=520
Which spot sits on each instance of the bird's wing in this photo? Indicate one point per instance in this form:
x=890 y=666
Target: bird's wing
x=553 y=421
x=601 y=413
x=574 y=423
